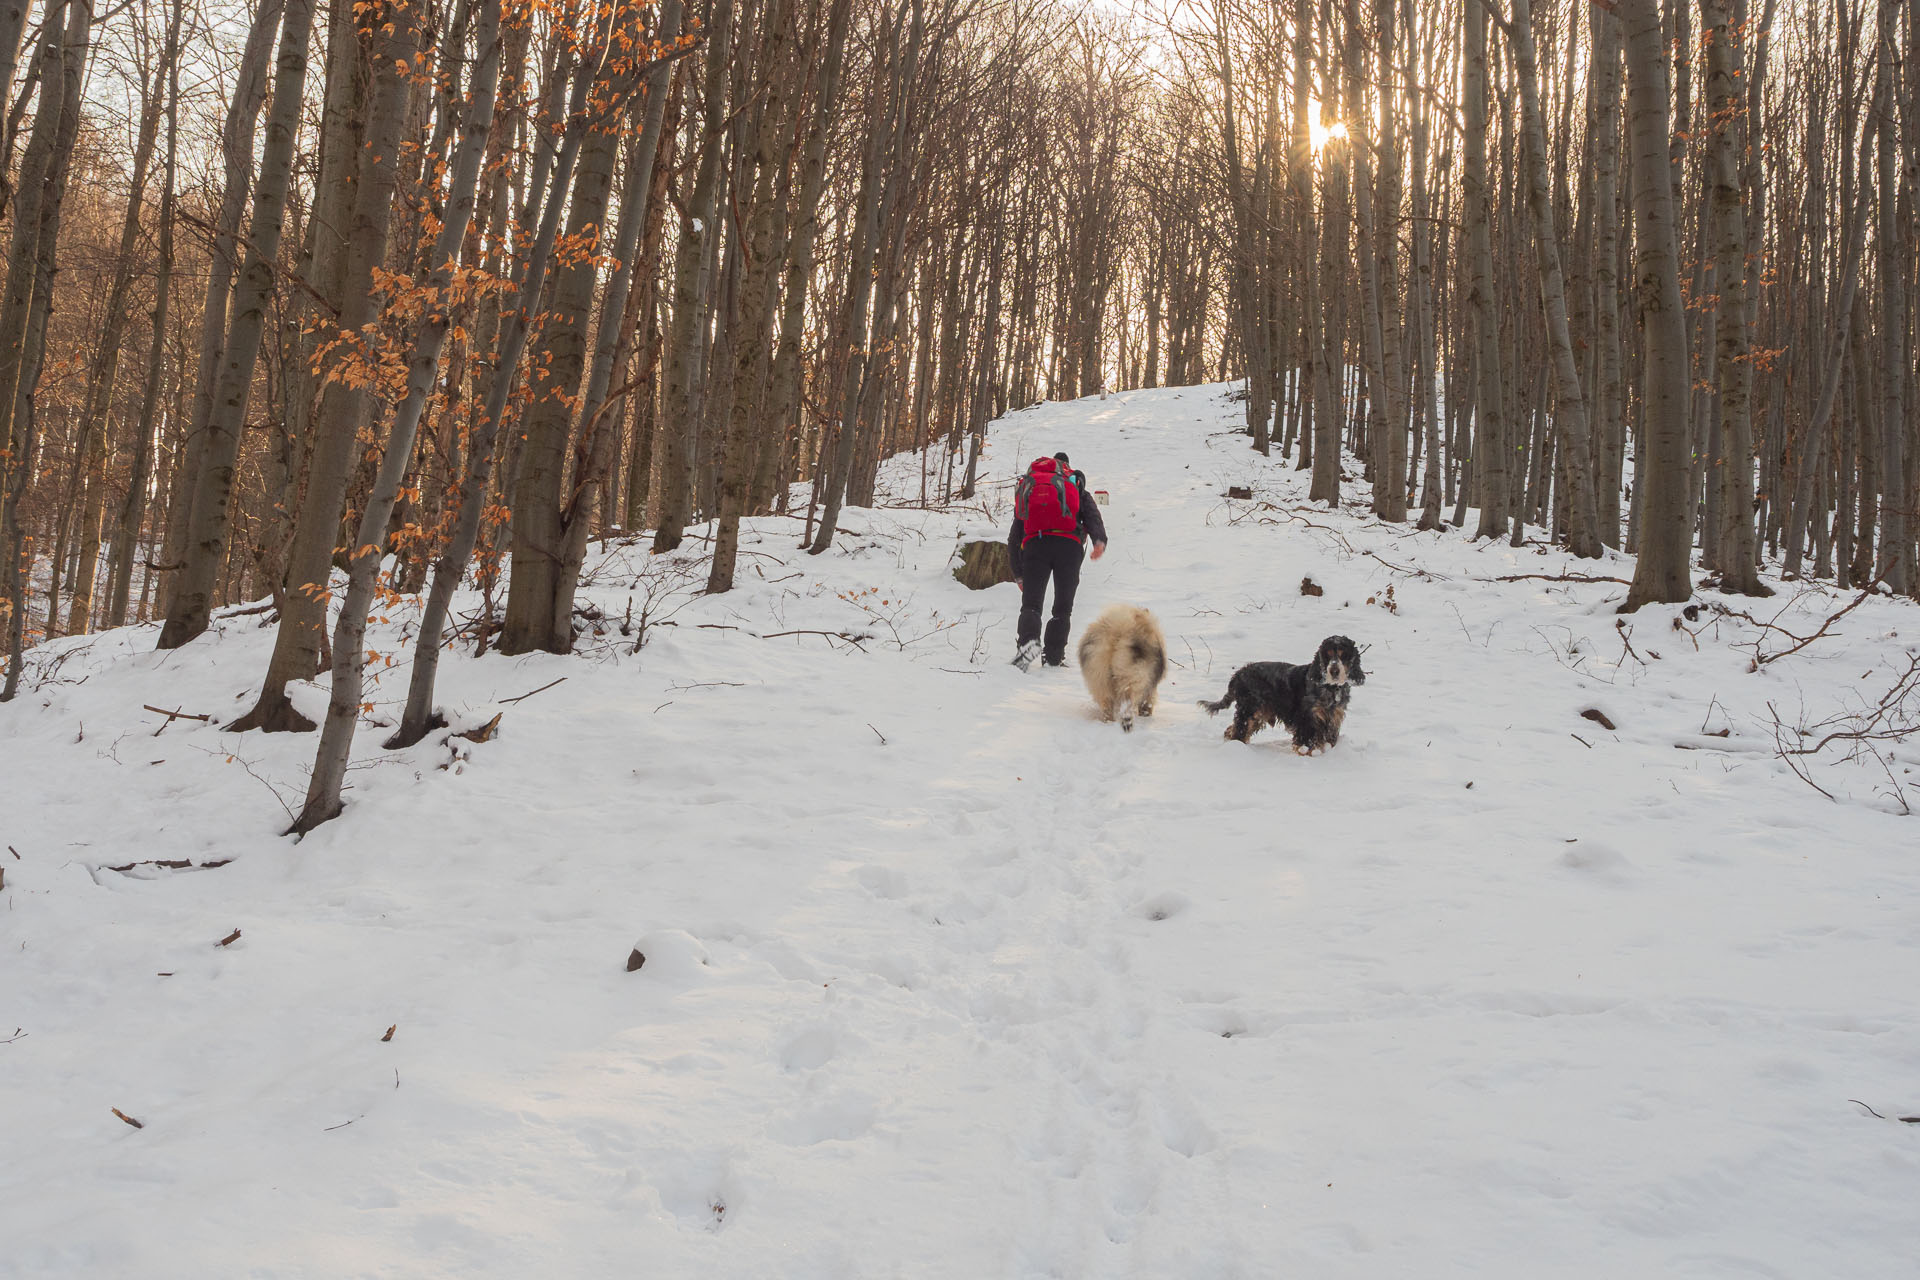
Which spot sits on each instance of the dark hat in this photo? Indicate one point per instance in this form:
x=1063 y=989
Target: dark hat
x=1061 y=458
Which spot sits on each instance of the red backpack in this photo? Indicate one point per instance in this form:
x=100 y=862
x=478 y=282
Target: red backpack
x=1047 y=501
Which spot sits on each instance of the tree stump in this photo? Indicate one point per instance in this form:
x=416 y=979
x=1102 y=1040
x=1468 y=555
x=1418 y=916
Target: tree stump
x=982 y=565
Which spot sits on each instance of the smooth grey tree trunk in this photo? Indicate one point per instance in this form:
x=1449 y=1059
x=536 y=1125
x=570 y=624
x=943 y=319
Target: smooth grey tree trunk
x=748 y=426
x=65 y=44
x=1726 y=106
x=13 y=30
x=685 y=339
x=1893 y=247
x=596 y=441
x=1420 y=289
x=866 y=235
x=1609 y=400
x=1572 y=437
x=397 y=39
x=209 y=521
x=346 y=403
x=784 y=392
x=1661 y=471
x=1489 y=415
x=552 y=523
x=105 y=365
x=133 y=507
x=236 y=151
x=1813 y=448
x=546 y=425
x=448 y=569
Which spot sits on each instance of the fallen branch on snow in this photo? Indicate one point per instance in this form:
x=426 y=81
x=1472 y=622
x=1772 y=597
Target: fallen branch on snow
x=1872 y=733
x=1556 y=577
x=171 y=716
x=173 y=864
x=523 y=697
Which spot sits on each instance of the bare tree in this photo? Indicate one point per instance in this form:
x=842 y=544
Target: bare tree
x=1662 y=572
x=64 y=45
x=209 y=521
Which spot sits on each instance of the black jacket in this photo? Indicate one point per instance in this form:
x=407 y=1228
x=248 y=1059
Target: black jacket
x=1091 y=526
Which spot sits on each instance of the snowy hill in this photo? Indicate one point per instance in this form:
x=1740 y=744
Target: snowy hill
x=946 y=978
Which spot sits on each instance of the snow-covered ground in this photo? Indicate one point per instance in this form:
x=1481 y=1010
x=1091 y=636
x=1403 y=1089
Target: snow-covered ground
x=946 y=978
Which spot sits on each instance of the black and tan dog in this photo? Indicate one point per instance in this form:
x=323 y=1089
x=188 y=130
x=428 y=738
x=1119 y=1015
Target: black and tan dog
x=1309 y=698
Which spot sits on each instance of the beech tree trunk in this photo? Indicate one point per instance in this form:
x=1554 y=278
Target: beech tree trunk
x=553 y=384
x=1661 y=470
x=209 y=521
x=396 y=41
x=1726 y=105
x=783 y=393
x=1572 y=436
x=596 y=440
x=64 y=46
x=764 y=149
x=105 y=365
x=451 y=565
x=1489 y=416
x=346 y=402
x=681 y=402
x=133 y=507
x=866 y=234
x=1893 y=245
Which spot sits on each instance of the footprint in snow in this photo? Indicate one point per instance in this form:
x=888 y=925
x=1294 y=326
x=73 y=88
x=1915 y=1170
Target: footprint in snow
x=1181 y=1131
x=1596 y=858
x=1226 y=1023
x=698 y=1191
x=809 y=1051
x=1163 y=906
x=882 y=882
x=840 y=1119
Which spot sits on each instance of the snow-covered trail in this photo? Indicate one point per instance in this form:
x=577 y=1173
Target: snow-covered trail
x=944 y=977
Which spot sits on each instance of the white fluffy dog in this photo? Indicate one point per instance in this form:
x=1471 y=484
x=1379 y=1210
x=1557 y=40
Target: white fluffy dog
x=1122 y=658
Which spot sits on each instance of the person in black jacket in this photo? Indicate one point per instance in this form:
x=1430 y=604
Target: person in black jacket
x=1058 y=557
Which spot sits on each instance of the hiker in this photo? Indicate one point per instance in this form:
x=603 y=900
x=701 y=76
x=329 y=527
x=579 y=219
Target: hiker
x=1053 y=516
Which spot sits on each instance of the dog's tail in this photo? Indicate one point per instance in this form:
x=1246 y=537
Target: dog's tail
x=1226 y=699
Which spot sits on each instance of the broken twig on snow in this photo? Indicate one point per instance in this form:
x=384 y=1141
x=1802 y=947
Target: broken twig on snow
x=542 y=689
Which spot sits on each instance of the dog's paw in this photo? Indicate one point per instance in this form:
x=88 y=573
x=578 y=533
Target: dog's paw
x=1126 y=724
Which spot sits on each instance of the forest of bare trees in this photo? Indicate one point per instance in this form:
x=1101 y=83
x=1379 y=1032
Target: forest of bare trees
x=1631 y=274
x=314 y=304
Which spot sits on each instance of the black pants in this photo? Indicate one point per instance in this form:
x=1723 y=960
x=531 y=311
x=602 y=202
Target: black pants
x=1049 y=556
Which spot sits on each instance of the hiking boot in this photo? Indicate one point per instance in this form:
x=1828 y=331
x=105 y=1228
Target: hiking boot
x=1053 y=661
x=1028 y=652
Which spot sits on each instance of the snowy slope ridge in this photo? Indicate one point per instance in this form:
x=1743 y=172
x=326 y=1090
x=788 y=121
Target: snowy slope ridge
x=945 y=978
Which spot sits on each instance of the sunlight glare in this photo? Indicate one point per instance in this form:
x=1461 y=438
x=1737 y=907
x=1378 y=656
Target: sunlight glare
x=1318 y=134
x=1318 y=131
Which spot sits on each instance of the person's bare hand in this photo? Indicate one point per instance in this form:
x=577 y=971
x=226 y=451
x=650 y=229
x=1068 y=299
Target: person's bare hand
x=1099 y=549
